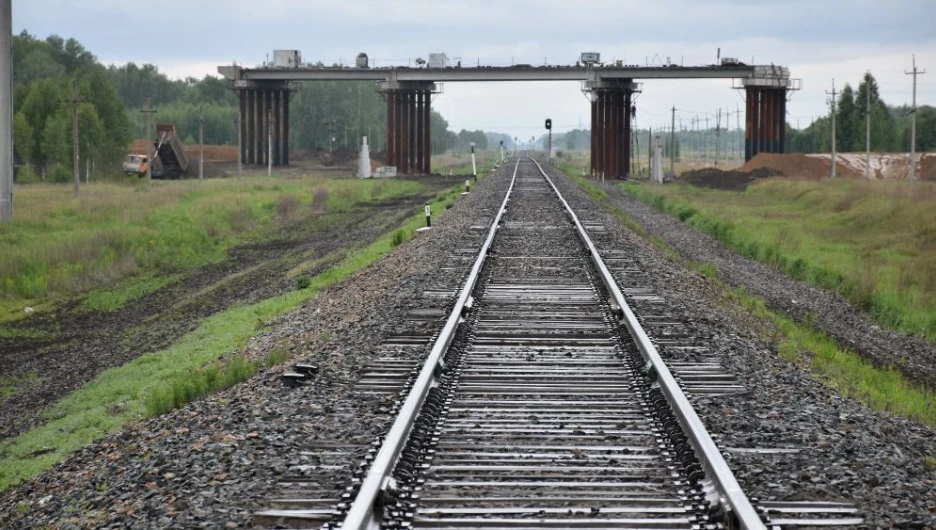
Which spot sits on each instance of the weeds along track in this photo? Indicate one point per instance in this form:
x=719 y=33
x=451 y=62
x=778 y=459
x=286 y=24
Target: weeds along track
x=543 y=403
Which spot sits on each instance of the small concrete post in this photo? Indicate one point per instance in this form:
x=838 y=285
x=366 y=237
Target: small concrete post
x=467 y=186
x=428 y=216
x=474 y=167
x=364 y=167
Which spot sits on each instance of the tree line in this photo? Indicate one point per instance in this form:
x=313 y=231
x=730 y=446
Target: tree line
x=48 y=75
x=111 y=100
x=890 y=126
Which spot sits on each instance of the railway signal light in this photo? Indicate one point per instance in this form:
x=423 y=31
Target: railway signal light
x=548 y=124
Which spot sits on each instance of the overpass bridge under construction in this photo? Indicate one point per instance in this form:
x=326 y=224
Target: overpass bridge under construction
x=264 y=105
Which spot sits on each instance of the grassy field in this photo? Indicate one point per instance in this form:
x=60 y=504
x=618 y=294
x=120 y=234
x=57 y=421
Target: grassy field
x=874 y=242
x=59 y=245
x=205 y=360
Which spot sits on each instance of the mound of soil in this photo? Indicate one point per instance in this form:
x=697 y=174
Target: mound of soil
x=792 y=165
x=213 y=153
x=726 y=180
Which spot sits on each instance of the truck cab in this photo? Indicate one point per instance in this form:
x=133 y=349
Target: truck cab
x=135 y=165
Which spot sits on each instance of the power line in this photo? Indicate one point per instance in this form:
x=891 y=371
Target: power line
x=832 y=101
x=913 y=110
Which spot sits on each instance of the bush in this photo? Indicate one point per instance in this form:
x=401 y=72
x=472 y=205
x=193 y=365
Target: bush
x=25 y=175
x=303 y=282
x=199 y=383
x=60 y=174
x=398 y=238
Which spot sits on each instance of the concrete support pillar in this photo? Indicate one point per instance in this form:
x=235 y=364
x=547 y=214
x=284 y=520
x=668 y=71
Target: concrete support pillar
x=408 y=126
x=251 y=138
x=286 y=127
x=594 y=135
x=258 y=126
x=626 y=134
x=750 y=118
x=611 y=129
x=267 y=124
x=781 y=121
x=765 y=120
x=277 y=126
x=427 y=132
x=405 y=153
x=420 y=108
x=391 y=127
x=242 y=118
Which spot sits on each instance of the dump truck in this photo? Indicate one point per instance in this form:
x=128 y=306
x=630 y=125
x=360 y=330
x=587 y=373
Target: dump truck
x=169 y=152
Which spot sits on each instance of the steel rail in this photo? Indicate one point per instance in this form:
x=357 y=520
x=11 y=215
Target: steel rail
x=361 y=512
x=731 y=495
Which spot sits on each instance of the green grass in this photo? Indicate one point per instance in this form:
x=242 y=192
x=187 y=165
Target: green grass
x=109 y=300
x=203 y=381
x=156 y=382
x=12 y=333
x=9 y=384
x=59 y=246
x=880 y=388
x=873 y=242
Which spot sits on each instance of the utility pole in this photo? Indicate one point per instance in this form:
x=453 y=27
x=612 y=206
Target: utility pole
x=717 y=135
x=240 y=144
x=868 y=125
x=672 y=147
x=331 y=134
x=705 y=156
x=740 y=132
x=148 y=111
x=201 y=146
x=913 y=110
x=271 y=120
x=832 y=101
x=6 y=110
x=75 y=164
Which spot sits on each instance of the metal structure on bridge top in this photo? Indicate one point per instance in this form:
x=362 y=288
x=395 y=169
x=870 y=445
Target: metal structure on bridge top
x=264 y=103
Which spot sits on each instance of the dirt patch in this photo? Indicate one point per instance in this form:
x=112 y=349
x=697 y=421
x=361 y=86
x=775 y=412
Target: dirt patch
x=213 y=153
x=884 y=166
x=89 y=342
x=792 y=165
x=726 y=180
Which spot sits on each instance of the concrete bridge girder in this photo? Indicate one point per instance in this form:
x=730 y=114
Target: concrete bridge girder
x=408 y=93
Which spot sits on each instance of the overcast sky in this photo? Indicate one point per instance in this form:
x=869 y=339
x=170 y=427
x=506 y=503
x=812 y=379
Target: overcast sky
x=817 y=39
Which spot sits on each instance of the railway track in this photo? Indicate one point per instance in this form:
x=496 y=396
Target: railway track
x=543 y=403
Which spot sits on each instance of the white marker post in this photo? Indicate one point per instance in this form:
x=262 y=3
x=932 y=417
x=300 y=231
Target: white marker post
x=474 y=167
x=428 y=216
x=467 y=186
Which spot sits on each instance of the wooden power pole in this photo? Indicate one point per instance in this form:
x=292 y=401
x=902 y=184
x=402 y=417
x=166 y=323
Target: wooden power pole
x=148 y=111
x=75 y=161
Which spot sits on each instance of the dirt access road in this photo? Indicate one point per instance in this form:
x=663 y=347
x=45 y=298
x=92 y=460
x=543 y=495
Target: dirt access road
x=88 y=342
